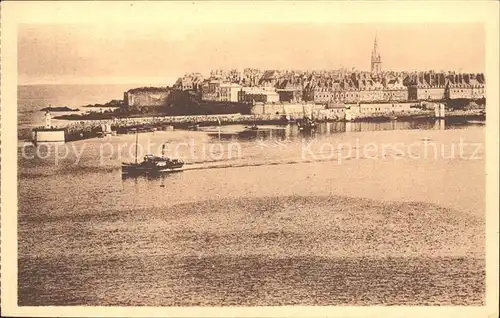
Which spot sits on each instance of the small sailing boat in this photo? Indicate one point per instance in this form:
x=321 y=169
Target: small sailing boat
x=287 y=119
x=194 y=126
x=307 y=124
x=440 y=111
x=253 y=127
x=152 y=164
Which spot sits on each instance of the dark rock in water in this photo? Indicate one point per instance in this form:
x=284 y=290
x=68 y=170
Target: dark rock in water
x=60 y=109
x=112 y=103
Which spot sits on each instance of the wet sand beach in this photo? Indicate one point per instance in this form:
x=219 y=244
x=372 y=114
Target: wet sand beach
x=266 y=251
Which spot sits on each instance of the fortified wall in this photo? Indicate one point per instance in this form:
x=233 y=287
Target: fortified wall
x=147 y=96
x=285 y=109
x=381 y=108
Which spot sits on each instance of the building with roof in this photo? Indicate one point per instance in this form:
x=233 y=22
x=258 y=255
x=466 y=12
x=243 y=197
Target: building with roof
x=347 y=93
x=394 y=90
x=270 y=78
x=257 y=95
x=228 y=92
x=290 y=89
x=457 y=87
x=476 y=81
x=427 y=86
x=210 y=90
x=465 y=86
x=370 y=91
x=321 y=93
x=191 y=81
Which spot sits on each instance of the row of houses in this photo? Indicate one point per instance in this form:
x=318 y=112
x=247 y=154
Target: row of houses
x=353 y=91
x=218 y=91
x=339 y=87
x=432 y=86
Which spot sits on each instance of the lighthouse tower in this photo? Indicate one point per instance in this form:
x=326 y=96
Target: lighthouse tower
x=48 y=133
x=47 y=120
x=376 y=60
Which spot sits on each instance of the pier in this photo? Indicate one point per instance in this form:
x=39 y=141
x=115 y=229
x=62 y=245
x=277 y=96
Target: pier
x=86 y=129
x=48 y=133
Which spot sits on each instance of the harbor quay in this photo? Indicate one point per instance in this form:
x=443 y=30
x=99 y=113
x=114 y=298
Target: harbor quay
x=92 y=128
x=85 y=129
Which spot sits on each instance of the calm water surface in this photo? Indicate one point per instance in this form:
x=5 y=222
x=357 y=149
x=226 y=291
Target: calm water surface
x=267 y=224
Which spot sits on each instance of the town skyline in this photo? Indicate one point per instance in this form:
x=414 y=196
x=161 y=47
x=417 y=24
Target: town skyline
x=100 y=54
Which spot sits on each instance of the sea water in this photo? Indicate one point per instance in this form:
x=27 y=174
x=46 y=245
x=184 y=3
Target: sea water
x=268 y=217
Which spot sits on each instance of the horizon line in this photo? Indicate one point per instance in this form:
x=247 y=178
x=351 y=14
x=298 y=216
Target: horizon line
x=76 y=84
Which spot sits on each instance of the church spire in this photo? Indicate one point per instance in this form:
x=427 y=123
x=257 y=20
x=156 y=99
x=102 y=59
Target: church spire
x=375 y=47
x=376 y=62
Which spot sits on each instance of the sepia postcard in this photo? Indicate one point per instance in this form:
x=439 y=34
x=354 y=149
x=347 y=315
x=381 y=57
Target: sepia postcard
x=249 y=159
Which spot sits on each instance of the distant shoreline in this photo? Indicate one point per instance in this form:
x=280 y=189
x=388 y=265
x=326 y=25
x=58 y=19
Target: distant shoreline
x=99 y=106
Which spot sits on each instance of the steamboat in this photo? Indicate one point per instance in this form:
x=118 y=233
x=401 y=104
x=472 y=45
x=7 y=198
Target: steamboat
x=152 y=164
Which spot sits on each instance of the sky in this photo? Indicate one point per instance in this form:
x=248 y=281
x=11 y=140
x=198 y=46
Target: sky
x=159 y=54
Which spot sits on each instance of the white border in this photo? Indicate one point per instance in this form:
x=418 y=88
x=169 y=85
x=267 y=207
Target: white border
x=14 y=13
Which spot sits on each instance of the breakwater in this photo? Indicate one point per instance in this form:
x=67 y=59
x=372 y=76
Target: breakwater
x=85 y=129
x=456 y=114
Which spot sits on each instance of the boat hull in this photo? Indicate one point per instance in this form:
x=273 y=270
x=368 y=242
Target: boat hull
x=133 y=169
x=307 y=128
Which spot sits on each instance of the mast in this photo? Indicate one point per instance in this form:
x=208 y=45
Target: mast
x=136 y=141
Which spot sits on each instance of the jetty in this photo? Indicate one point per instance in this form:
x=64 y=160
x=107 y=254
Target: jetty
x=85 y=129
x=48 y=133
